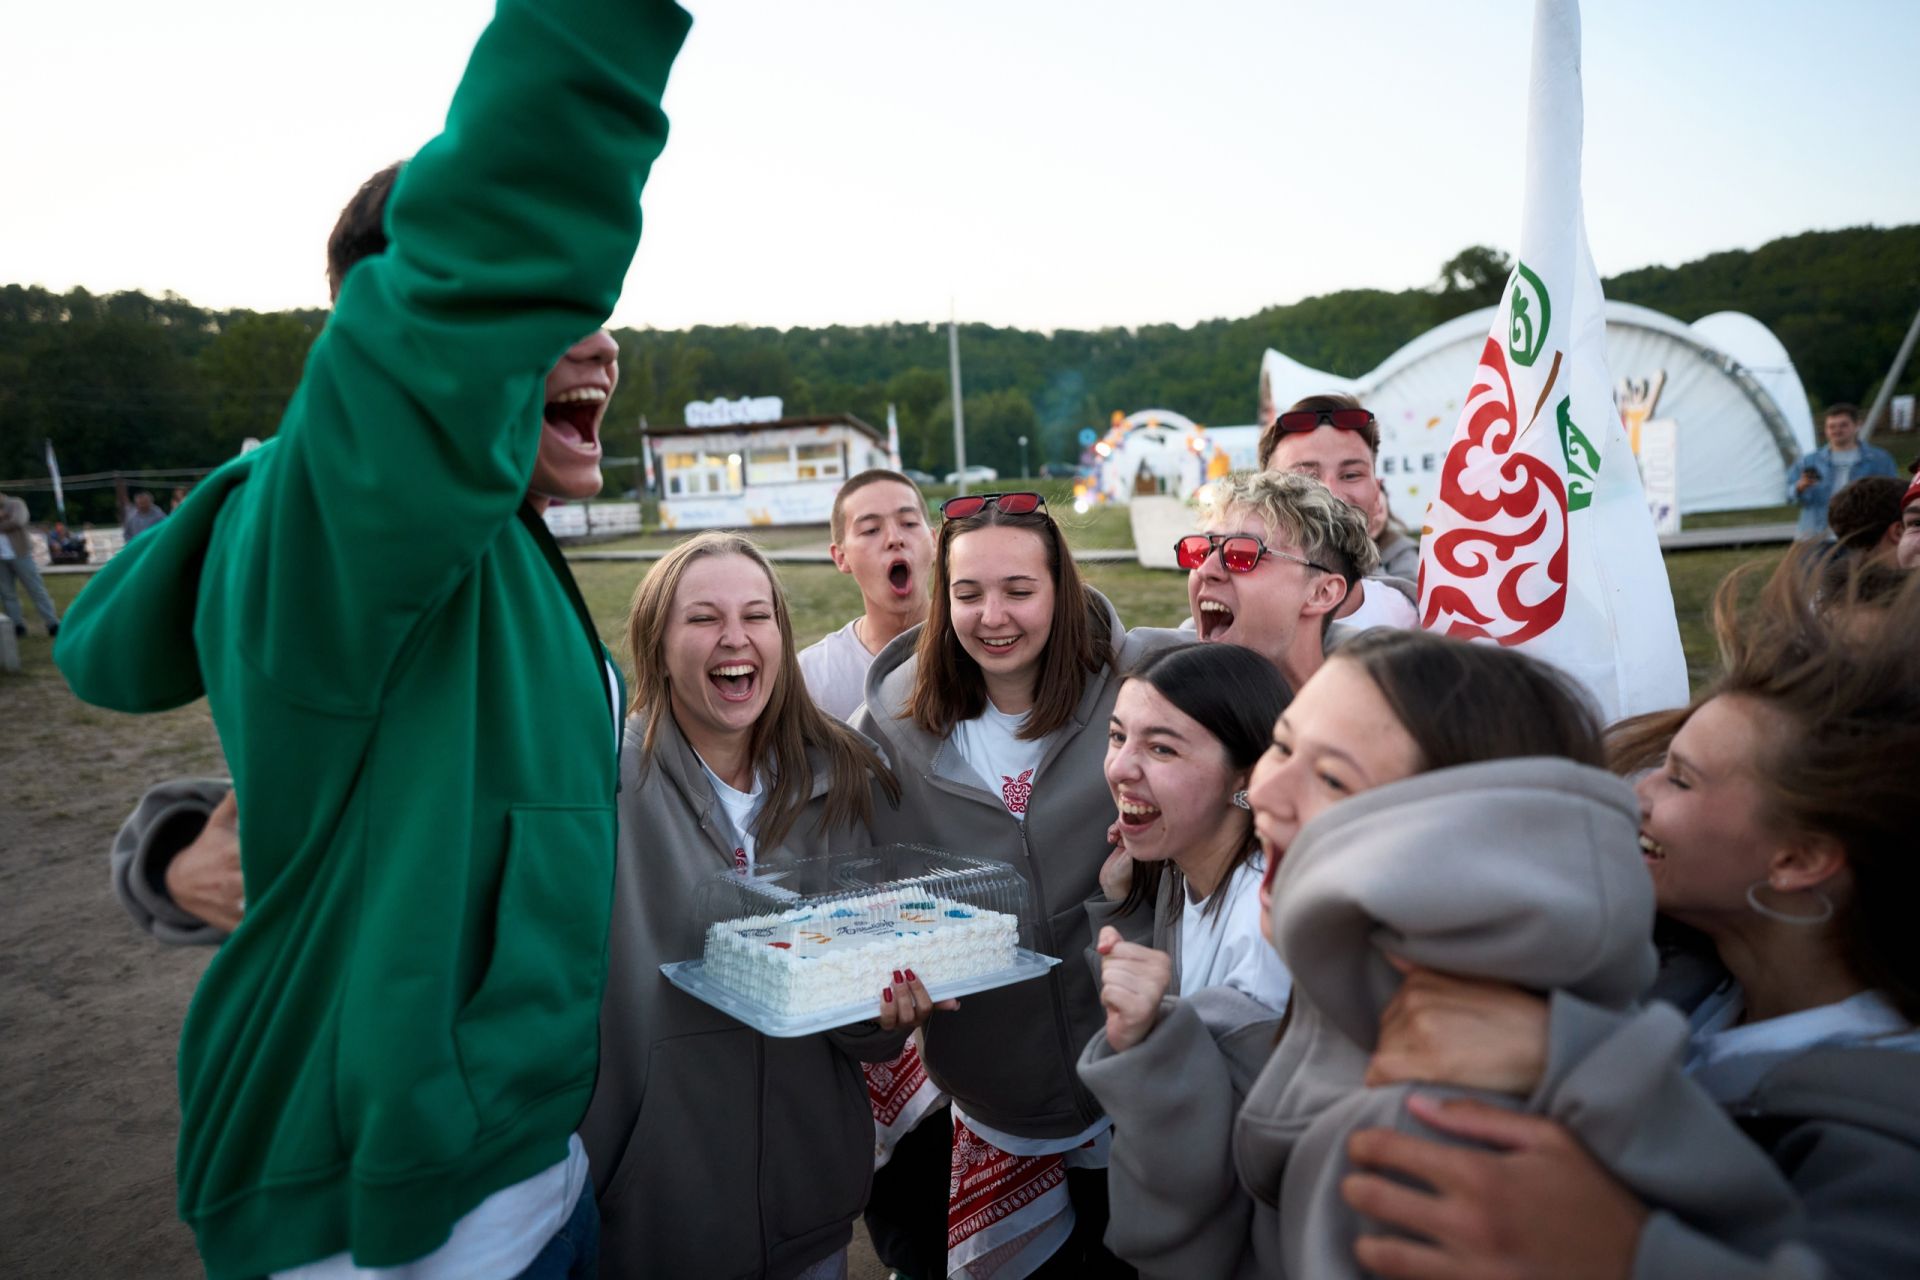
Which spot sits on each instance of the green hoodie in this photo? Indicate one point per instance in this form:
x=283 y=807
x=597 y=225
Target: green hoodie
x=413 y=704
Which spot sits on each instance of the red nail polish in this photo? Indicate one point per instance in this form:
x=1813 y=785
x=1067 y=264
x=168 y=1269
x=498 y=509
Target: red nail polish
x=886 y=994
x=910 y=977
x=897 y=977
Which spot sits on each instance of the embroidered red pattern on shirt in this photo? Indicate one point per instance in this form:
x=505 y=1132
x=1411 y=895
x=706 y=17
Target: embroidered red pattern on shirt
x=740 y=858
x=1017 y=791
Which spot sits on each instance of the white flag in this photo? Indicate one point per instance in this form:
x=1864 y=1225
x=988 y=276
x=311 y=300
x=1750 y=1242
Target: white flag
x=59 y=495
x=1539 y=536
x=893 y=438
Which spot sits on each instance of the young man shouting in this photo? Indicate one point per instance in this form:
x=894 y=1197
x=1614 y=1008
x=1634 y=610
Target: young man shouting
x=880 y=537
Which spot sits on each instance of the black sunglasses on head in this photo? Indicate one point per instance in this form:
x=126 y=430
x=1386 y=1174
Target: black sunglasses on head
x=972 y=504
x=1296 y=421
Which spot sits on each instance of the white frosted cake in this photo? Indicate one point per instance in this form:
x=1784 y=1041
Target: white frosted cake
x=843 y=952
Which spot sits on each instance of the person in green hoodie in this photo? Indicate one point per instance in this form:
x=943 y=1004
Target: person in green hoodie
x=386 y=1062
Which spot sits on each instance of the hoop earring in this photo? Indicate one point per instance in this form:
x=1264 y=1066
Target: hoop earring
x=1774 y=913
x=1240 y=800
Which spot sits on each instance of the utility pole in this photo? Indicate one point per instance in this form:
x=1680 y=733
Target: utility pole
x=959 y=415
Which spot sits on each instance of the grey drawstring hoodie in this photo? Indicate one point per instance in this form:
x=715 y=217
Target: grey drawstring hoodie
x=1521 y=871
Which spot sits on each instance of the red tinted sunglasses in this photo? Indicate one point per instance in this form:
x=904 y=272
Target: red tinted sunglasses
x=1240 y=552
x=1299 y=420
x=972 y=504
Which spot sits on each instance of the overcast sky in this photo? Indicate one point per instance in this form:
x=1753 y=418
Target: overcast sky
x=1043 y=163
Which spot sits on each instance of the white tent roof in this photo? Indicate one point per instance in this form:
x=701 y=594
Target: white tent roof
x=1741 y=412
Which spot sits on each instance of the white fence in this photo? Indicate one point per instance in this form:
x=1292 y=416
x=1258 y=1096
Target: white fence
x=564 y=520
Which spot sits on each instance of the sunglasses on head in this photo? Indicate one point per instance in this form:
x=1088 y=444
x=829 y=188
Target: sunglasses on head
x=1294 y=421
x=972 y=504
x=1239 y=552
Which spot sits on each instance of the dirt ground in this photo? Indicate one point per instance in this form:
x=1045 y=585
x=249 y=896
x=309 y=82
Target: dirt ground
x=90 y=1008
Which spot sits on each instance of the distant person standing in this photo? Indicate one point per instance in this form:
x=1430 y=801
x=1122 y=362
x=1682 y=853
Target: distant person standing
x=146 y=513
x=1827 y=470
x=179 y=496
x=17 y=566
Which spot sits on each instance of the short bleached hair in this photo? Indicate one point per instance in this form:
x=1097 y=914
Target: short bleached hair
x=1303 y=512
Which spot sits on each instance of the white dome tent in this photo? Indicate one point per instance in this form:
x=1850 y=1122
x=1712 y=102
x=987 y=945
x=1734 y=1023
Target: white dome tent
x=1741 y=413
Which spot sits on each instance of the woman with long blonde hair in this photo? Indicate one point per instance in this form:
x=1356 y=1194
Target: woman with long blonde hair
x=717 y=1150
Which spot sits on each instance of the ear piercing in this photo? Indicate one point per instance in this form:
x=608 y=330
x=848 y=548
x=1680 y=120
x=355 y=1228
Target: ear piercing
x=1240 y=800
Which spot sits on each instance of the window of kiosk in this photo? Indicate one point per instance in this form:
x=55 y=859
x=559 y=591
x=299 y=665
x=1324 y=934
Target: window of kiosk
x=692 y=475
x=771 y=465
x=819 y=462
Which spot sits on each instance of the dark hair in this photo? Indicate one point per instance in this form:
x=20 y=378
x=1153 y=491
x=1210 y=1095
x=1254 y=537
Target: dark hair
x=1850 y=697
x=1271 y=437
x=947 y=685
x=361 y=230
x=1842 y=409
x=1235 y=695
x=1860 y=513
x=837 y=521
x=1465 y=703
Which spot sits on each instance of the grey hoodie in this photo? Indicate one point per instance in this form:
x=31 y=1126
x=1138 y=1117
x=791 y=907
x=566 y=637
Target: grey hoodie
x=1522 y=871
x=715 y=1150
x=1008 y=1055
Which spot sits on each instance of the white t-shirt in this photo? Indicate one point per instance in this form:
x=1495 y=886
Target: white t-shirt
x=1380 y=606
x=738 y=809
x=1225 y=948
x=500 y=1236
x=1844 y=461
x=1006 y=764
x=835 y=672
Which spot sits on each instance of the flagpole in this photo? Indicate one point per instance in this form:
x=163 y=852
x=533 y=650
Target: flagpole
x=959 y=415
x=1893 y=376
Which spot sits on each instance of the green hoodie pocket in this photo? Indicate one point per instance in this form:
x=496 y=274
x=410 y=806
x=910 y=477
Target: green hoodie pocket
x=531 y=1028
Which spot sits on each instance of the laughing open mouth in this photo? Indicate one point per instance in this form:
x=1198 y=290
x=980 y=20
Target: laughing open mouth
x=734 y=680
x=1214 y=619
x=575 y=415
x=900 y=577
x=1136 y=815
x=1652 y=850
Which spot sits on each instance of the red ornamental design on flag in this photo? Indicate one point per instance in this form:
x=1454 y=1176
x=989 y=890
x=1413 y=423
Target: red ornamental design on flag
x=1498 y=523
x=1017 y=791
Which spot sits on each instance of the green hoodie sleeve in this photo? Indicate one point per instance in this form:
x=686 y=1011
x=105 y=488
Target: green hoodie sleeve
x=411 y=439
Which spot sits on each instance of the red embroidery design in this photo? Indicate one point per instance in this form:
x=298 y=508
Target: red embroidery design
x=740 y=858
x=1017 y=791
x=1498 y=566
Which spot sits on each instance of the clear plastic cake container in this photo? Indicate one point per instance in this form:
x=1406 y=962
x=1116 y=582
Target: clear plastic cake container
x=806 y=946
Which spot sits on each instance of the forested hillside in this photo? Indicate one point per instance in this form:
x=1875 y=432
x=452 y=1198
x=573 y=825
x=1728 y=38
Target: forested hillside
x=127 y=381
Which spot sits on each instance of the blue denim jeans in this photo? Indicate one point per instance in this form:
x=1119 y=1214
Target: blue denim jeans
x=574 y=1252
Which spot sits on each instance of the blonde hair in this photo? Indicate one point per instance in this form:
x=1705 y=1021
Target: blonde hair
x=789 y=725
x=1302 y=511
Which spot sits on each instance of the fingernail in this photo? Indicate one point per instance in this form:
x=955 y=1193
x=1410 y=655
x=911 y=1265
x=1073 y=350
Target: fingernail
x=897 y=977
x=886 y=994
x=910 y=977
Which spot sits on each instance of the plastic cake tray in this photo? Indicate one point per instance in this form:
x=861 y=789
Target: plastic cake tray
x=691 y=977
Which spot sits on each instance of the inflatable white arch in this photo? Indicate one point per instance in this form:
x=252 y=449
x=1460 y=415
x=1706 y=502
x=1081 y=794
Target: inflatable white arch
x=1741 y=413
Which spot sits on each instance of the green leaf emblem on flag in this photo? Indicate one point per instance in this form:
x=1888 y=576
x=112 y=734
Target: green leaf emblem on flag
x=1529 y=315
x=1583 y=460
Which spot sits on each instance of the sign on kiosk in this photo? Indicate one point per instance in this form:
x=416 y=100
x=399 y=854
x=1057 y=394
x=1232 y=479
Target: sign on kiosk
x=734 y=413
